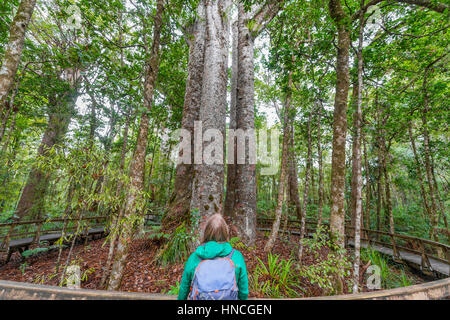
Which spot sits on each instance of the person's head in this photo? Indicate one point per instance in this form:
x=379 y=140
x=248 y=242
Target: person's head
x=216 y=229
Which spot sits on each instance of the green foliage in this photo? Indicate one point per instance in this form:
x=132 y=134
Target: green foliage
x=276 y=279
x=28 y=253
x=22 y=267
x=178 y=246
x=174 y=289
x=389 y=271
x=238 y=244
x=324 y=269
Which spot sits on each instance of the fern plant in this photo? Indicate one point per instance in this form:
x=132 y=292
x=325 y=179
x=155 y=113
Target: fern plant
x=276 y=279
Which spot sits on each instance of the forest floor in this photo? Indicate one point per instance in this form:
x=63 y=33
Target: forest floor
x=142 y=275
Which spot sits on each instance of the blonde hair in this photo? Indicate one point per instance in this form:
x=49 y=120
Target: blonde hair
x=216 y=229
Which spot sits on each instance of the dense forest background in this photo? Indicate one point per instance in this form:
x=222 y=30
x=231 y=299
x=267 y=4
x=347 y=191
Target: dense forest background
x=91 y=92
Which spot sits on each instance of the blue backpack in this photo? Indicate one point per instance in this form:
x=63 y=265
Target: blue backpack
x=215 y=279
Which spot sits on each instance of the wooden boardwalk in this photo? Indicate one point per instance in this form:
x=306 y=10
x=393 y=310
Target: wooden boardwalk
x=416 y=259
x=20 y=245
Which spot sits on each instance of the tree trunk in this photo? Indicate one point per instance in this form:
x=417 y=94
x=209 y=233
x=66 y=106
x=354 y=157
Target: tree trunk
x=319 y=155
x=32 y=197
x=182 y=191
x=367 y=175
x=231 y=167
x=306 y=188
x=137 y=166
x=244 y=211
x=428 y=169
x=13 y=52
x=282 y=182
x=337 y=214
x=208 y=184
x=293 y=177
x=356 y=193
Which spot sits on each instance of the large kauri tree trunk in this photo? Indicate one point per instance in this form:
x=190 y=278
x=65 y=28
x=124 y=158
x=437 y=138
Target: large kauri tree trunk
x=182 y=191
x=208 y=184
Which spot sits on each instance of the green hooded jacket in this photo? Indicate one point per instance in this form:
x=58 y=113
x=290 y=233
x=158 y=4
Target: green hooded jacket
x=211 y=250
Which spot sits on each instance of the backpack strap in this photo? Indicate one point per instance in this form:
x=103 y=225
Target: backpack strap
x=230 y=254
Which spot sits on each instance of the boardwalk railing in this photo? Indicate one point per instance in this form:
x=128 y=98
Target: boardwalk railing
x=426 y=249
x=19 y=235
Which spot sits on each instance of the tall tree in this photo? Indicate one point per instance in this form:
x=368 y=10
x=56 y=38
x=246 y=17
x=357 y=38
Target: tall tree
x=13 y=54
x=137 y=167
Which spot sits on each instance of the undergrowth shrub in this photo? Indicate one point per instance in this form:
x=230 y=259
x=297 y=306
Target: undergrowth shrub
x=276 y=279
x=178 y=245
x=391 y=276
x=324 y=269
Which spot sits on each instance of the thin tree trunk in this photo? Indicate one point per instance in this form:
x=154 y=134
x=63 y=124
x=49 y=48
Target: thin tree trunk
x=230 y=197
x=319 y=155
x=293 y=177
x=13 y=52
x=306 y=189
x=282 y=183
x=337 y=214
x=419 y=173
x=356 y=194
x=428 y=169
x=137 y=166
x=367 y=174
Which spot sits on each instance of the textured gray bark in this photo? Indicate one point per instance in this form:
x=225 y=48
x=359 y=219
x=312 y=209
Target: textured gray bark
x=181 y=197
x=337 y=214
x=356 y=193
x=14 y=48
x=208 y=184
x=137 y=166
x=293 y=177
x=244 y=176
x=319 y=155
x=306 y=188
x=231 y=167
x=245 y=196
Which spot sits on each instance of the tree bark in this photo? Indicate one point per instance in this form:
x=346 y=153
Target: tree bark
x=319 y=155
x=208 y=184
x=427 y=156
x=293 y=177
x=137 y=165
x=231 y=167
x=337 y=214
x=13 y=52
x=179 y=206
x=356 y=193
x=61 y=110
x=306 y=189
x=244 y=211
x=282 y=182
